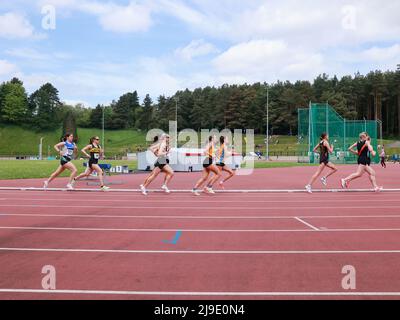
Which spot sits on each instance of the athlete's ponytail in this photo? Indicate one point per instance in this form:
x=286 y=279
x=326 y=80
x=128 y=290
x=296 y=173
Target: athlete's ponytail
x=222 y=140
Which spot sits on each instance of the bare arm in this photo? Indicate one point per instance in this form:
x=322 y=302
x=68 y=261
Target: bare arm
x=351 y=149
x=154 y=148
x=58 y=146
x=371 y=149
x=85 y=149
x=330 y=147
x=316 y=148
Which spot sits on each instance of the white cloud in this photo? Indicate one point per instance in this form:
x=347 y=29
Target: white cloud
x=196 y=48
x=33 y=54
x=133 y=17
x=14 y=25
x=7 y=68
x=263 y=60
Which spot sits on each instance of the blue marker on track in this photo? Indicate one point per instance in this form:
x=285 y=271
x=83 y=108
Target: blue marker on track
x=176 y=238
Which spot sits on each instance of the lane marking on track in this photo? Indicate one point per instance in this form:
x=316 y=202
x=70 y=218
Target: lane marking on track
x=306 y=223
x=219 y=294
x=224 y=208
x=189 y=191
x=325 y=230
x=175 y=239
x=172 y=200
x=221 y=252
x=95 y=216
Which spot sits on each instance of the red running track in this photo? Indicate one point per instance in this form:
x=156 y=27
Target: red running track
x=232 y=246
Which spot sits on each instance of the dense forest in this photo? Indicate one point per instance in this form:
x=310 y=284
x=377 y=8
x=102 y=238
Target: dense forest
x=372 y=96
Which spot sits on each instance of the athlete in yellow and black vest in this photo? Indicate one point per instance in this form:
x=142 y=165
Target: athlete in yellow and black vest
x=208 y=168
x=94 y=152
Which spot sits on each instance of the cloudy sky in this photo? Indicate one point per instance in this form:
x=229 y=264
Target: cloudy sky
x=94 y=51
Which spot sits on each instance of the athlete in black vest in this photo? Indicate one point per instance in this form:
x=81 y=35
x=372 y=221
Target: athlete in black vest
x=324 y=150
x=364 y=152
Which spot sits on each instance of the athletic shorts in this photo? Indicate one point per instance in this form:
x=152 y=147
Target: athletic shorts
x=207 y=163
x=92 y=162
x=65 y=160
x=364 y=161
x=161 y=163
x=221 y=164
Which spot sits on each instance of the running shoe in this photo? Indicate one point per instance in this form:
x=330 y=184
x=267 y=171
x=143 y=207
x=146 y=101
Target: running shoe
x=104 y=188
x=309 y=189
x=143 y=189
x=195 y=192
x=324 y=181
x=45 y=185
x=209 y=190
x=345 y=184
x=378 y=189
x=70 y=187
x=165 y=188
x=73 y=182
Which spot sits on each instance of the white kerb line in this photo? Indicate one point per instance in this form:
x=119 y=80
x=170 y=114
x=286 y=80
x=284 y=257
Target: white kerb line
x=307 y=224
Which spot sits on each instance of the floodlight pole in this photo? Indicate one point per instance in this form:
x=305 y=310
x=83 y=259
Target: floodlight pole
x=102 y=129
x=41 y=148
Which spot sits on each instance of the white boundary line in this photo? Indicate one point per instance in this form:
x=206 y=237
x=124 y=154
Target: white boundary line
x=95 y=216
x=306 y=223
x=219 y=294
x=217 y=191
x=194 y=200
x=167 y=252
x=314 y=229
x=224 y=208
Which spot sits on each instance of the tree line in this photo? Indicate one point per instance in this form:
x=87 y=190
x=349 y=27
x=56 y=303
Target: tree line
x=372 y=96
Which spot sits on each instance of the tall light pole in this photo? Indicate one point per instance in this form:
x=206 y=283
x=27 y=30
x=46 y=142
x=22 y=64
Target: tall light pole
x=41 y=148
x=102 y=126
x=176 y=120
x=267 y=142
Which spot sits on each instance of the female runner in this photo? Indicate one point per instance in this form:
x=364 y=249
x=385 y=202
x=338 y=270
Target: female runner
x=67 y=150
x=324 y=150
x=208 y=168
x=222 y=154
x=161 y=150
x=364 y=152
x=95 y=153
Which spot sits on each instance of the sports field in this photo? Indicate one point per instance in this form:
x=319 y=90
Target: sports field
x=262 y=238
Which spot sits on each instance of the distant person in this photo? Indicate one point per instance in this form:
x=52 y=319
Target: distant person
x=324 y=150
x=95 y=154
x=364 y=152
x=67 y=150
x=383 y=157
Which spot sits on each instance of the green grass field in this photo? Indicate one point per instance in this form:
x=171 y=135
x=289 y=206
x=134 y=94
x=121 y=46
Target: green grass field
x=25 y=169
x=20 y=141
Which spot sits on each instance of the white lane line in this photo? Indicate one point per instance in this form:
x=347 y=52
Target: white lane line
x=224 y=208
x=323 y=230
x=95 y=216
x=189 y=191
x=307 y=224
x=147 y=230
x=213 y=293
x=165 y=252
x=195 y=200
